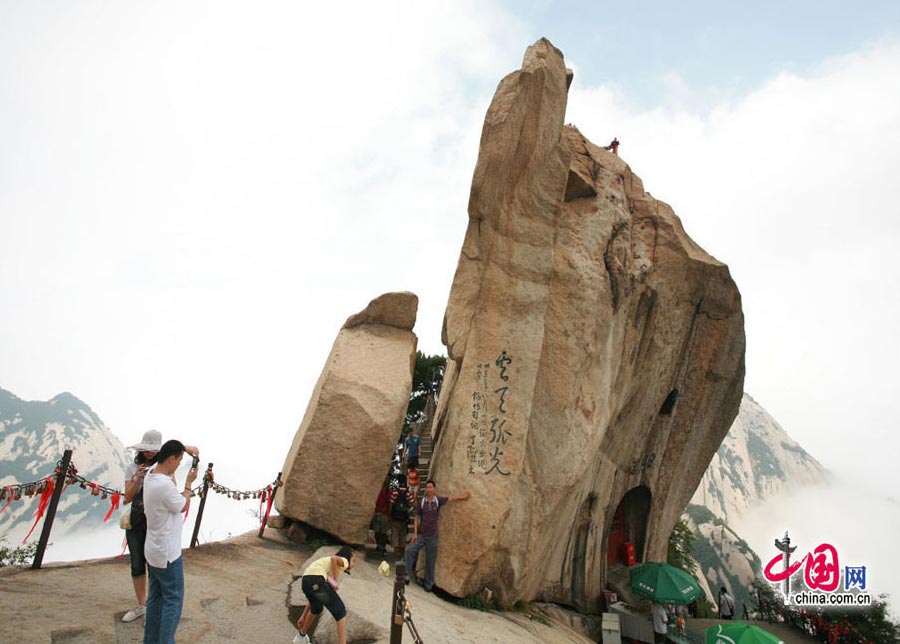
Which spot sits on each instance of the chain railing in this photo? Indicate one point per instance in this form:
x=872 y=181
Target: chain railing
x=49 y=489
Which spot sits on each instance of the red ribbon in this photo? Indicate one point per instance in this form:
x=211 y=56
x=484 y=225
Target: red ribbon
x=265 y=519
x=42 y=505
x=262 y=500
x=113 y=506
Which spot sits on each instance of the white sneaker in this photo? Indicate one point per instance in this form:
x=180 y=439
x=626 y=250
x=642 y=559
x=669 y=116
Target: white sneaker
x=301 y=639
x=134 y=613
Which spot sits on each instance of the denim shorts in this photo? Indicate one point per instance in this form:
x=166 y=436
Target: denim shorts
x=321 y=595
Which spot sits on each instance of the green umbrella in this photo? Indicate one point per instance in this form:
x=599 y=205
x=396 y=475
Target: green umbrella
x=739 y=633
x=664 y=584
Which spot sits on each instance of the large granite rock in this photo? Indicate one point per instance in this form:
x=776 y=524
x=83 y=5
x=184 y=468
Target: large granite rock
x=595 y=350
x=340 y=454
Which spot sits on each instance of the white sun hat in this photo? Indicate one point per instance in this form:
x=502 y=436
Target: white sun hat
x=151 y=442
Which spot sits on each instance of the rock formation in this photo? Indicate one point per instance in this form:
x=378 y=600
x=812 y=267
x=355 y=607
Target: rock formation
x=595 y=351
x=341 y=452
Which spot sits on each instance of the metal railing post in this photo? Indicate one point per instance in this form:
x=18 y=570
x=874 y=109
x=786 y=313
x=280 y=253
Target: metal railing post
x=398 y=604
x=271 y=502
x=207 y=477
x=51 y=509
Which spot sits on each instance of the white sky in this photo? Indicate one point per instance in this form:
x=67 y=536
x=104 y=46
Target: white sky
x=195 y=196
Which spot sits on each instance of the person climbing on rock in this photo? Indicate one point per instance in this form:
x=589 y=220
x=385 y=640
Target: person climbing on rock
x=320 y=584
x=613 y=146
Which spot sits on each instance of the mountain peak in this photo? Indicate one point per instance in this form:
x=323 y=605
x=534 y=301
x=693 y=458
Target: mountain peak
x=67 y=399
x=35 y=434
x=756 y=460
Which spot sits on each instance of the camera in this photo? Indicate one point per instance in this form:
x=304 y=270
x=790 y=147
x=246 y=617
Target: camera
x=195 y=462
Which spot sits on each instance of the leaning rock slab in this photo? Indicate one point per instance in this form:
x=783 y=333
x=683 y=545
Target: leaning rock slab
x=346 y=440
x=595 y=352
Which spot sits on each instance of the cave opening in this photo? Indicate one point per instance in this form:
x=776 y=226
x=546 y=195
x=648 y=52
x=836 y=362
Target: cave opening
x=628 y=527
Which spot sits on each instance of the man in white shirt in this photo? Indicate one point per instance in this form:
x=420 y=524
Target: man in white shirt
x=163 y=505
x=658 y=613
x=726 y=604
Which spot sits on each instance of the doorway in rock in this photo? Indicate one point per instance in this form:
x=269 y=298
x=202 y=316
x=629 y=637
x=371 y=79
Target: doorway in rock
x=628 y=526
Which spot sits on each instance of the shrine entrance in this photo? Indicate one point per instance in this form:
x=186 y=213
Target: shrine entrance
x=627 y=530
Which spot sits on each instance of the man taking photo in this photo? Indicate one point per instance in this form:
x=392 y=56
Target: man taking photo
x=163 y=506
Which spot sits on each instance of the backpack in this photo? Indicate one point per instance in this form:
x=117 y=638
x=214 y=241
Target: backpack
x=401 y=508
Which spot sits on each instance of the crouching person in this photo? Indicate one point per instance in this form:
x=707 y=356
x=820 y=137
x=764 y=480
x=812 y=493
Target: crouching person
x=320 y=584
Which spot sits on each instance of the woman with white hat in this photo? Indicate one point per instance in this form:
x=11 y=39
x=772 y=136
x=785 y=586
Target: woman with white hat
x=135 y=471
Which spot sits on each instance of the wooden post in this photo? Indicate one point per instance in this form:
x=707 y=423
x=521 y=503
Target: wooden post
x=207 y=477
x=398 y=603
x=265 y=519
x=51 y=509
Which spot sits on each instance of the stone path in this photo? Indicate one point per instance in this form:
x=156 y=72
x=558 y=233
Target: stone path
x=237 y=591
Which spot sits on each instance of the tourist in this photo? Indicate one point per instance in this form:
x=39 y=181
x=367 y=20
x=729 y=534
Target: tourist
x=412 y=449
x=320 y=583
x=380 y=523
x=680 y=615
x=425 y=531
x=402 y=501
x=694 y=609
x=163 y=506
x=726 y=604
x=136 y=534
x=658 y=613
x=413 y=477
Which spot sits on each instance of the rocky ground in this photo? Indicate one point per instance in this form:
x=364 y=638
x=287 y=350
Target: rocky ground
x=236 y=591
x=241 y=591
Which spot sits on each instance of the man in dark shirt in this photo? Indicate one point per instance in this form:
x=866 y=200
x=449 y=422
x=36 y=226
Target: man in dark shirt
x=425 y=531
x=380 y=520
x=399 y=513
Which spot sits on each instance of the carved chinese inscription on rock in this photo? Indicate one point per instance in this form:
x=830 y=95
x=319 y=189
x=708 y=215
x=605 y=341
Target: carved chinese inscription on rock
x=489 y=426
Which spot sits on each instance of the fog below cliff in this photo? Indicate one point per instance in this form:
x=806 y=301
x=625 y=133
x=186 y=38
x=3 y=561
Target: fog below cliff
x=220 y=521
x=863 y=525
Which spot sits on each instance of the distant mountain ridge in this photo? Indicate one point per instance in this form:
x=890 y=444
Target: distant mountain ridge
x=33 y=437
x=756 y=461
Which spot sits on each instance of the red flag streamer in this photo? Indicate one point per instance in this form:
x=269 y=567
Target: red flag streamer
x=113 y=506
x=265 y=520
x=187 y=511
x=262 y=500
x=42 y=505
x=10 y=493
